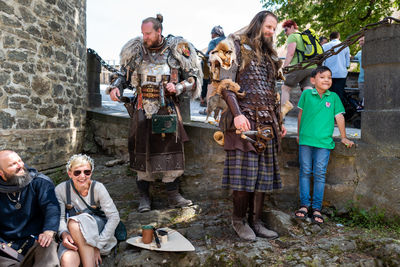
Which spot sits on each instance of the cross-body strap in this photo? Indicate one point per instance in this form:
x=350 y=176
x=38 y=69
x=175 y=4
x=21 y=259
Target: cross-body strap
x=79 y=195
x=68 y=194
x=92 y=202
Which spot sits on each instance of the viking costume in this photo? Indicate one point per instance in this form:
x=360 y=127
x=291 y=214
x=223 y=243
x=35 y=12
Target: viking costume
x=251 y=164
x=156 y=132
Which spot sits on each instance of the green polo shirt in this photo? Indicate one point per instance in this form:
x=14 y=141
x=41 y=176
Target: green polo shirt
x=318 y=118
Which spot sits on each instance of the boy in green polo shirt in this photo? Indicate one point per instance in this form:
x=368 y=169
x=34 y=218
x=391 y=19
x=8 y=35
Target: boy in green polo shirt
x=319 y=108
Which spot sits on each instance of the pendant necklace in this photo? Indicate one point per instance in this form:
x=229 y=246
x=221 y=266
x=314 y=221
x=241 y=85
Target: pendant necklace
x=17 y=204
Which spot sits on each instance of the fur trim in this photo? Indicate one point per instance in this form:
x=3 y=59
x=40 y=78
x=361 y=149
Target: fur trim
x=131 y=53
x=186 y=54
x=223 y=54
x=109 y=89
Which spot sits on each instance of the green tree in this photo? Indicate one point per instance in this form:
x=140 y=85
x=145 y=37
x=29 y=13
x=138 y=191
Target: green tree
x=325 y=16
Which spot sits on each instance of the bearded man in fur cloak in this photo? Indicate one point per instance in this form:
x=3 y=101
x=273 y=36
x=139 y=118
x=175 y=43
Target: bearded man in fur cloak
x=161 y=69
x=252 y=124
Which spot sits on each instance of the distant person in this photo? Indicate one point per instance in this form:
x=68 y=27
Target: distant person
x=29 y=213
x=323 y=40
x=295 y=50
x=358 y=57
x=217 y=35
x=84 y=238
x=338 y=64
x=319 y=108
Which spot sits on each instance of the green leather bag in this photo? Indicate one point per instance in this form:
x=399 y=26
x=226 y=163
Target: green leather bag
x=164 y=123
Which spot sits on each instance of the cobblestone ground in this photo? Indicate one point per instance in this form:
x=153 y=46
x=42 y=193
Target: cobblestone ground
x=207 y=226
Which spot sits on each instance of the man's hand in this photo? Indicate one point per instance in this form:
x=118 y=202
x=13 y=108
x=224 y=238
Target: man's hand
x=170 y=87
x=114 y=94
x=241 y=123
x=45 y=238
x=347 y=142
x=97 y=257
x=283 y=131
x=68 y=242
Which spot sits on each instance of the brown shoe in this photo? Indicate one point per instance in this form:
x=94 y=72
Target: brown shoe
x=177 y=200
x=261 y=231
x=243 y=229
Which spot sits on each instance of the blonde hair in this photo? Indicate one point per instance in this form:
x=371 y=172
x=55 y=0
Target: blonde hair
x=79 y=159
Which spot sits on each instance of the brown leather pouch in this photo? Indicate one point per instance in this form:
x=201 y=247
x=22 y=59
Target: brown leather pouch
x=265 y=133
x=8 y=250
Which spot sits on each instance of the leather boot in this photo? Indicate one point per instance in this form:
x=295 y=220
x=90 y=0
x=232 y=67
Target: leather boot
x=145 y=202
x=254 y=217
x=239 y=222
x=175 y=199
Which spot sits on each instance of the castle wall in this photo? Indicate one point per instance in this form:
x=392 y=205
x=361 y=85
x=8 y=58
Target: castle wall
x=43 y=88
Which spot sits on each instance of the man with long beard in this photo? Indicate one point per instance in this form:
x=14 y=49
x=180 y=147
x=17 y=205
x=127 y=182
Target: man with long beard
x=161 y=69
x=29 y=212
x=251 y=164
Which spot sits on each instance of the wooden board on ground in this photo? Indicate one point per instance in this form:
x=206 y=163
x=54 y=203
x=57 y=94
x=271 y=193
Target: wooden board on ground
x=176 y=242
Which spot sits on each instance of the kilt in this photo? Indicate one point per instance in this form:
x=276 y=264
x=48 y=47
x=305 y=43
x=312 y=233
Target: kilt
x=249 y=171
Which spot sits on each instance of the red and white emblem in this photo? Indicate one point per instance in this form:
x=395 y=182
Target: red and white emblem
x=328 y=105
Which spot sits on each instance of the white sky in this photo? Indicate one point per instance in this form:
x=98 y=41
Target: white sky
x=111 y=23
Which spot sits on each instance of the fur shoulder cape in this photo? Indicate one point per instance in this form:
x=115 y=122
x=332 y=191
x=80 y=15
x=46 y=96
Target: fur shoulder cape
x=181 y=50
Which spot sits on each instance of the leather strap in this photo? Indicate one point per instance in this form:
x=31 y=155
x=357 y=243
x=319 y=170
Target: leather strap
x=231 y=100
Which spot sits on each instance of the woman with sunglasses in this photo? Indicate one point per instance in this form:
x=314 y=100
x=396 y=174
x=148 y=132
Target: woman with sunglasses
x=84 y=240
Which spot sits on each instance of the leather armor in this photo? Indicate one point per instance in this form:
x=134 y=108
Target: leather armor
x=258 y=81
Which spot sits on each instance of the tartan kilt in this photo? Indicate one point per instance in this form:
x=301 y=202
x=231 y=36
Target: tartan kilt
x=249 y=171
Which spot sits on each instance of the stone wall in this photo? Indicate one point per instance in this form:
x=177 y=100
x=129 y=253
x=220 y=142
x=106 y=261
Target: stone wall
x=43 y=79
x=354 y=175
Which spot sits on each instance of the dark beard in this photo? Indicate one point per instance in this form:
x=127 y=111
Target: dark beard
x=267 y=44
x=19 y=180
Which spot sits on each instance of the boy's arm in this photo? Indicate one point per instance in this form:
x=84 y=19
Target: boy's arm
x=298 y=124
x=342 y=129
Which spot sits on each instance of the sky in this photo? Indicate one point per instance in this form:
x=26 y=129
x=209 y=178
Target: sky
x=111 y=23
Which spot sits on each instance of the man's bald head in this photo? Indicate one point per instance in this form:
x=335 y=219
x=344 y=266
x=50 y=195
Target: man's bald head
x=4 y=155
x=12 y=167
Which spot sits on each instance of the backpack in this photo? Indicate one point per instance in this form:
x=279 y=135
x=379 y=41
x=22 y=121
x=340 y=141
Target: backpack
x=311 y=43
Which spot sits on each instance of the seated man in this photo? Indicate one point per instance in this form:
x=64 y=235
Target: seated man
x=29 y=213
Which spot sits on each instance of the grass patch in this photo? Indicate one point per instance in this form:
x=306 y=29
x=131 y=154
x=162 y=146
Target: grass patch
x=372 y=219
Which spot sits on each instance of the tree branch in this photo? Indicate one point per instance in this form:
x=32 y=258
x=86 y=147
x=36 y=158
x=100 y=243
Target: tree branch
x=334 y=24
x=369 y=11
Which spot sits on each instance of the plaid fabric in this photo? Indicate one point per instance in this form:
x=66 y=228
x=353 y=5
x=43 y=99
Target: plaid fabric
x=248 y=171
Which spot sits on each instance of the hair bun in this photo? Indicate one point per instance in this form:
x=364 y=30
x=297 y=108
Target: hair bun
x=160 y=18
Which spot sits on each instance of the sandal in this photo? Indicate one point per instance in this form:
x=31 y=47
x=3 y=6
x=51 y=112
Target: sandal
x=305 y=213
x=319 y=216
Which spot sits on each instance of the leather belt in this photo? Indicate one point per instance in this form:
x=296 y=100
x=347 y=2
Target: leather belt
x=150 y=95
x=152 y=78
x=263 y=108
x=150 y=90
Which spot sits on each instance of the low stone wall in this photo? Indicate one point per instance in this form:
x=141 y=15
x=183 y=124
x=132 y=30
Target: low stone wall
x=357 y=174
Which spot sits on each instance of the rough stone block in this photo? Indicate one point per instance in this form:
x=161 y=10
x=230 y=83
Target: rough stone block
x=6 y=8
x=17 y=56
x=381 y=128
x=40 y=85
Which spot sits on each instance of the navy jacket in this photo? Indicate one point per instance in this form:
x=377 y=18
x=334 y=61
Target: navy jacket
x=39 y=212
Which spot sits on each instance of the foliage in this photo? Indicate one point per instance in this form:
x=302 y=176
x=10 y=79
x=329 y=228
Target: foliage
x=344 y=16
x=373 y=218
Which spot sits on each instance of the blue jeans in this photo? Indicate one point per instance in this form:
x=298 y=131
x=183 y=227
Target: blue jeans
x=313 y=160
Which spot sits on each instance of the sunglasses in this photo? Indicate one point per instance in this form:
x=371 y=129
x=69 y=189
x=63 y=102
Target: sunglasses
x=86 y=172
